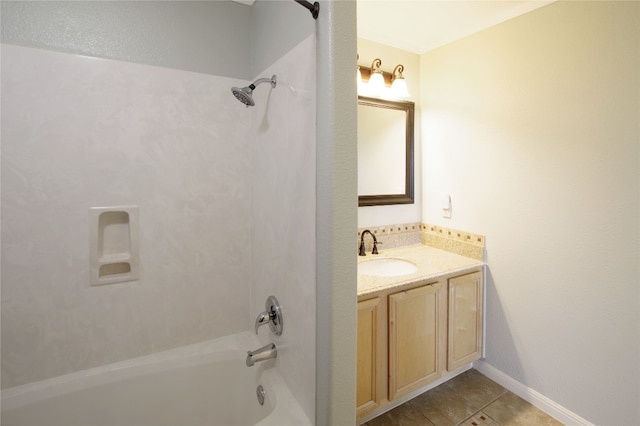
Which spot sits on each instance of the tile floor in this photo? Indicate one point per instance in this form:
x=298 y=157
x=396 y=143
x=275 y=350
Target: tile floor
x=469 y=399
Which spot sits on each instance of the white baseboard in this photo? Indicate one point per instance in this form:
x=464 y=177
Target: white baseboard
x=535 y=398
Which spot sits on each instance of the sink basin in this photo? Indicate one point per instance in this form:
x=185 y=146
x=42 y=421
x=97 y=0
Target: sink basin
x=388 y=267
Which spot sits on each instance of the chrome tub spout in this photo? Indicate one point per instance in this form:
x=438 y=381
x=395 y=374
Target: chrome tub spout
x=264 y=353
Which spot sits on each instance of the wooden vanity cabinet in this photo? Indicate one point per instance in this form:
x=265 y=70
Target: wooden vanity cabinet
x=465 y=320
x=417 y=333
x=372 y=350
x=410 y=338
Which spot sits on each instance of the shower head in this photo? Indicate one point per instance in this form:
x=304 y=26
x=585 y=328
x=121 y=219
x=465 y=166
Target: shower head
x=245 y=94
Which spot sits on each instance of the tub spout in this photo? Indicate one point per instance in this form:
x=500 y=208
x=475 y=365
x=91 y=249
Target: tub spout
x=264 y=353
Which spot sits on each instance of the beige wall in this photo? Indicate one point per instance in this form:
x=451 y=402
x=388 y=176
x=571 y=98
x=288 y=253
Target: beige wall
x=532 y=126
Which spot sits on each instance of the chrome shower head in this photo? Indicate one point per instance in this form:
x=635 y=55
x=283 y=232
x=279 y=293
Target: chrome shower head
x=245 y=94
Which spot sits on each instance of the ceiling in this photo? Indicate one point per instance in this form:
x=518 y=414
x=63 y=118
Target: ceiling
x=422 y=25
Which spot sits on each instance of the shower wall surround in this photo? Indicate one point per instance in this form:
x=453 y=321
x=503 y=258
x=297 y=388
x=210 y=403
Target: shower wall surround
x=199 y=36
x=283 y=197
x=80 y=132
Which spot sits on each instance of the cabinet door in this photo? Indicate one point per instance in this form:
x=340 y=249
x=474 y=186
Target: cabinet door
x=465 y=320
x=371 y=347
x=417 y=323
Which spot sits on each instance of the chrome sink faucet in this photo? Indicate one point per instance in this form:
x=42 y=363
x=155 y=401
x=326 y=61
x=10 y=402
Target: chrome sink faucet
x=264 y=353
x=361 y=252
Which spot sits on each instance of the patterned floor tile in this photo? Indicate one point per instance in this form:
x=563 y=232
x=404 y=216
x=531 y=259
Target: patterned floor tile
x=443 y=406
x=405 y=414
x=469 y=399
x=478 y=420
x=511 y=410
x=476 y=389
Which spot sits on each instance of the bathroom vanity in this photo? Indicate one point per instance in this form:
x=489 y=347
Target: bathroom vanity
x=415 y=328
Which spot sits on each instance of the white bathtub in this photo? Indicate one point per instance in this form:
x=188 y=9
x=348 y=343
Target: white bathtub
x=203 y=384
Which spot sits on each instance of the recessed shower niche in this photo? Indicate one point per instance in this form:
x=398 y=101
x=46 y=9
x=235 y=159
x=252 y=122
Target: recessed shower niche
x=114 y=244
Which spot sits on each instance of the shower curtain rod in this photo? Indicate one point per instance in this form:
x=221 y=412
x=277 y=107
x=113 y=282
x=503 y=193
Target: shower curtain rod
x=313 y=8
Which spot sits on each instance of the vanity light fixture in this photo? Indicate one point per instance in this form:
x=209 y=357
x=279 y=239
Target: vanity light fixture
x=375 y=82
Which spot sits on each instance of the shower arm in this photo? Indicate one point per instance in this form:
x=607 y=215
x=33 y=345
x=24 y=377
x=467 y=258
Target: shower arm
x=313 y=8
x=263 y=80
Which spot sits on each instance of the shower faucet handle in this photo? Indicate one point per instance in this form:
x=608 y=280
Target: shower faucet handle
x=263 y=318
x=272 y=315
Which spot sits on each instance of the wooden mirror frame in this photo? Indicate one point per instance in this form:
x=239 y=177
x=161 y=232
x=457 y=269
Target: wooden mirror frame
x=407 y=197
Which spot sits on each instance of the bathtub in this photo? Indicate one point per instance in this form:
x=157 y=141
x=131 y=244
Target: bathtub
x=203 y=384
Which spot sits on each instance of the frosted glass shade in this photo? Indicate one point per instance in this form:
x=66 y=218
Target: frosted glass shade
x=376 y=84
x=399 y=88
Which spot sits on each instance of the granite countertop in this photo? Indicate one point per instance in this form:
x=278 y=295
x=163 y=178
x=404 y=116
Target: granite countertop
x=431 y=263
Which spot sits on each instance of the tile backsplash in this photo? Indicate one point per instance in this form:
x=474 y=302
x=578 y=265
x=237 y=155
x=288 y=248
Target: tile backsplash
x=460 y=242
x=456 y=241
x=391 y=236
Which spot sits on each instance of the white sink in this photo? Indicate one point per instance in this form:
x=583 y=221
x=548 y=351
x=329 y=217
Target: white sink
x=387 y=267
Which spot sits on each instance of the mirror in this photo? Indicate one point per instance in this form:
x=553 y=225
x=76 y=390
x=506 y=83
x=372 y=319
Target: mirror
x=385 y=152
